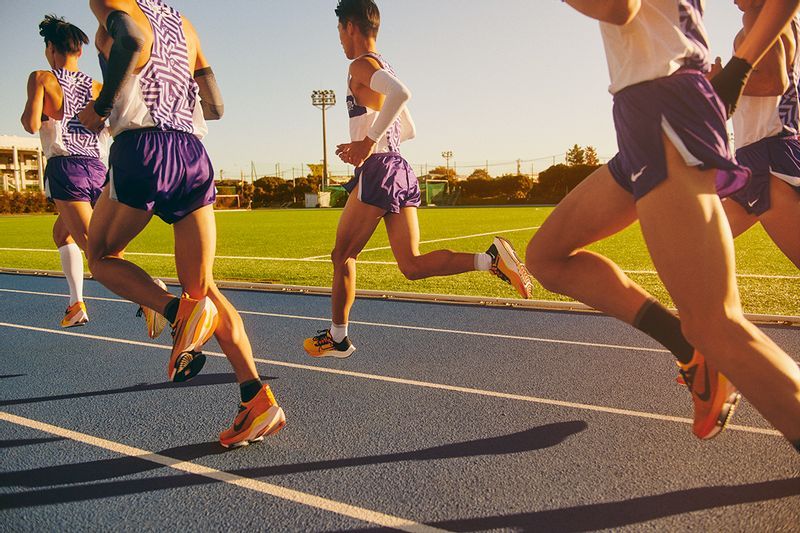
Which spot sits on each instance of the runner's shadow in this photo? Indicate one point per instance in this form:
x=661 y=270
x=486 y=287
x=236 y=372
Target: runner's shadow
x=202 y=380
x=7 y=376
x=523 y=441
x=27 y=442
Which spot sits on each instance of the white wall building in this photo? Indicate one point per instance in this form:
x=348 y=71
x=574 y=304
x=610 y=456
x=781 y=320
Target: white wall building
x=21 y=163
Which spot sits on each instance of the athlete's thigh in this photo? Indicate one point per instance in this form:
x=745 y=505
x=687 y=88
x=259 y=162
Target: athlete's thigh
x=688 y=236
x=76 y=217
x=738 y=219
x=195 y=246
x=356 y=225
x=782 y=220
x=113 y=226
x=597 y=208
x=403 y=231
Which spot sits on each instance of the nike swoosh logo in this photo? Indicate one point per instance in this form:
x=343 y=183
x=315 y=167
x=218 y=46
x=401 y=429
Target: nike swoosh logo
x=754 y=202
x=706 y=394
x=240 y=425
x=635 y=177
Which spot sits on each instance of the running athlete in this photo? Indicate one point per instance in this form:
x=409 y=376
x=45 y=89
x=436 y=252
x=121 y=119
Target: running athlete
x=765 y=128
x=674 y=160
x=159 y=89
x=385 y=187
x=74 y=175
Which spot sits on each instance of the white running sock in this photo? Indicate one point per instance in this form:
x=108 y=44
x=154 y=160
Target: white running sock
x=483 y=262
x=338 y=333
x=72 y=265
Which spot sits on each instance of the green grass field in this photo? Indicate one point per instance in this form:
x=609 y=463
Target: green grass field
x=299 y=234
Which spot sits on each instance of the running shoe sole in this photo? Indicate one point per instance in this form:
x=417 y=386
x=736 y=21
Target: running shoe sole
x=202 y=322
x=269 y=423
x=517 y=275
x=334 y=353
x=191 y=369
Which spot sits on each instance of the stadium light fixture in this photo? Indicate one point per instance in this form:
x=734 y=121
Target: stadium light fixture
x=323 y=99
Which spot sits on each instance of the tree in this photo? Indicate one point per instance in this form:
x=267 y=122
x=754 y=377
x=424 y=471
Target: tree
x=576 y=156
x=316 y=170
x=443 y=171
x=479 y=174
x=591 y=156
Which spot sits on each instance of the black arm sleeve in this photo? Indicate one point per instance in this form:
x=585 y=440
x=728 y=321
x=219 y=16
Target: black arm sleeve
x=128 y=43
x=210 y=95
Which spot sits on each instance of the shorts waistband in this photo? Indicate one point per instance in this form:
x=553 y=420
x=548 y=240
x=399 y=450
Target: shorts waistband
x=137 y=131
x=680 y=72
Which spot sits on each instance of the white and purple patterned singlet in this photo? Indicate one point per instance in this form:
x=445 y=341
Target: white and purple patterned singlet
x=68 y=137
x=664 y=37
x=164 y=94
x=759 y=117
x=362 y=117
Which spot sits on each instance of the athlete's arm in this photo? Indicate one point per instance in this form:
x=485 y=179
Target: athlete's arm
x=773 y=19
x=210 y=94
x=619 y=12
x=34 y=107
x=128 y=41
x=769 y=76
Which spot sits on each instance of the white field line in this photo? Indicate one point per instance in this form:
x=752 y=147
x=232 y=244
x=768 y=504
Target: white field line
x=460 y=237
x=326 y=259
x=414 y=383
x=385 y=325
x=303 y=498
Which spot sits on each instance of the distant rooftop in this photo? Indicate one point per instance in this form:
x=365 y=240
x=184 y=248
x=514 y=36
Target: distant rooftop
x=30 y=143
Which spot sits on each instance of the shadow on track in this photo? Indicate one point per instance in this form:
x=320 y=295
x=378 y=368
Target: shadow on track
x=202 y=380
x=524 y=441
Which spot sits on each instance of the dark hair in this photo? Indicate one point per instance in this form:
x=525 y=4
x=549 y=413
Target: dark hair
x=66 y=37
x=363 y=13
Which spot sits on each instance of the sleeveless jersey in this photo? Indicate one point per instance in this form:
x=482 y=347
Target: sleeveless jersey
x=759 y=117
x=664 y=37
x=68 y=137
x=362 y=117
x=163 y=94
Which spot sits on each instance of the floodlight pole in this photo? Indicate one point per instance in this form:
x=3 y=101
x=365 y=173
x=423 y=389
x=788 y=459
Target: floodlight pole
x=323 y=99
x=447 y=155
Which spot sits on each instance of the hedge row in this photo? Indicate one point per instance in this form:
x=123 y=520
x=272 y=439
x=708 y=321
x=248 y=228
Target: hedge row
x=24 y=202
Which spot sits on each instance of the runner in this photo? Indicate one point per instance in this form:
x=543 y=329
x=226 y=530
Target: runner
x=74 y=175
x=673 y=162
x=158 y=89
x=385 y=187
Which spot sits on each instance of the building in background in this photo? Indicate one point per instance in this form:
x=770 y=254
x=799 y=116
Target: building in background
x=21 y=163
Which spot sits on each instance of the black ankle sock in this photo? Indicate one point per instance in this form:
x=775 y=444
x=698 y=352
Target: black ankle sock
x=171 y=310
x=656 y=320
x=249 y=389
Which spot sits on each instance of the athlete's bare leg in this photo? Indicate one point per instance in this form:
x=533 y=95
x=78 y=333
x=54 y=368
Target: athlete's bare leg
x=356 y=226
x=594 y=210
x=61 y=236
x=782 y=221
x=195 y=246
x=75 y=217
x=693 y=254
x=403 y=231
x=739 y=219
x=113 y=226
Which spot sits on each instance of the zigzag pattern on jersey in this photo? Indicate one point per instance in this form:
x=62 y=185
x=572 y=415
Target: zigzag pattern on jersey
x=691 y=21
x=77 y=90
x=395 y=130
x=169 y=90
x=789 y=107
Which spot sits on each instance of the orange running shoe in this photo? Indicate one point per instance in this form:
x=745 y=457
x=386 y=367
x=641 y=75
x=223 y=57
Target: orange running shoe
x=193 y=326
x=256 y=419
x=154 y=320
x=714 y=397
x=323 y=345
x=507 y=266
x=75 y=315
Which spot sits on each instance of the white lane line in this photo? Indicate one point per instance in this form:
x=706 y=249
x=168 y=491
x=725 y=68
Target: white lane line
x=303 y=498
x=393 y=326
x=460 y=237
x=326 y=259
x=415 y=383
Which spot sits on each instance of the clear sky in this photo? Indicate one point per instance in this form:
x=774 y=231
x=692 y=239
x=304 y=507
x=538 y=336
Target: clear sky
x=491 y=80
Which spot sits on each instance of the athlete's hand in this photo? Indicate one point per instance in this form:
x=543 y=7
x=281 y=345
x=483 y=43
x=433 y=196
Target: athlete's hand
x=730 y=82
x=356 y=152
x=716 y=68
x=90 y=119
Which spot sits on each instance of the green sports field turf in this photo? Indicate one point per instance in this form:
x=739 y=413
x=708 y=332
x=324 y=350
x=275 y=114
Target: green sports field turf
x=299 y=234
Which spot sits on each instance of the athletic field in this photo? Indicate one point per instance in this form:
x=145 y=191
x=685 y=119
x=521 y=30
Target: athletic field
x=292 y=247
